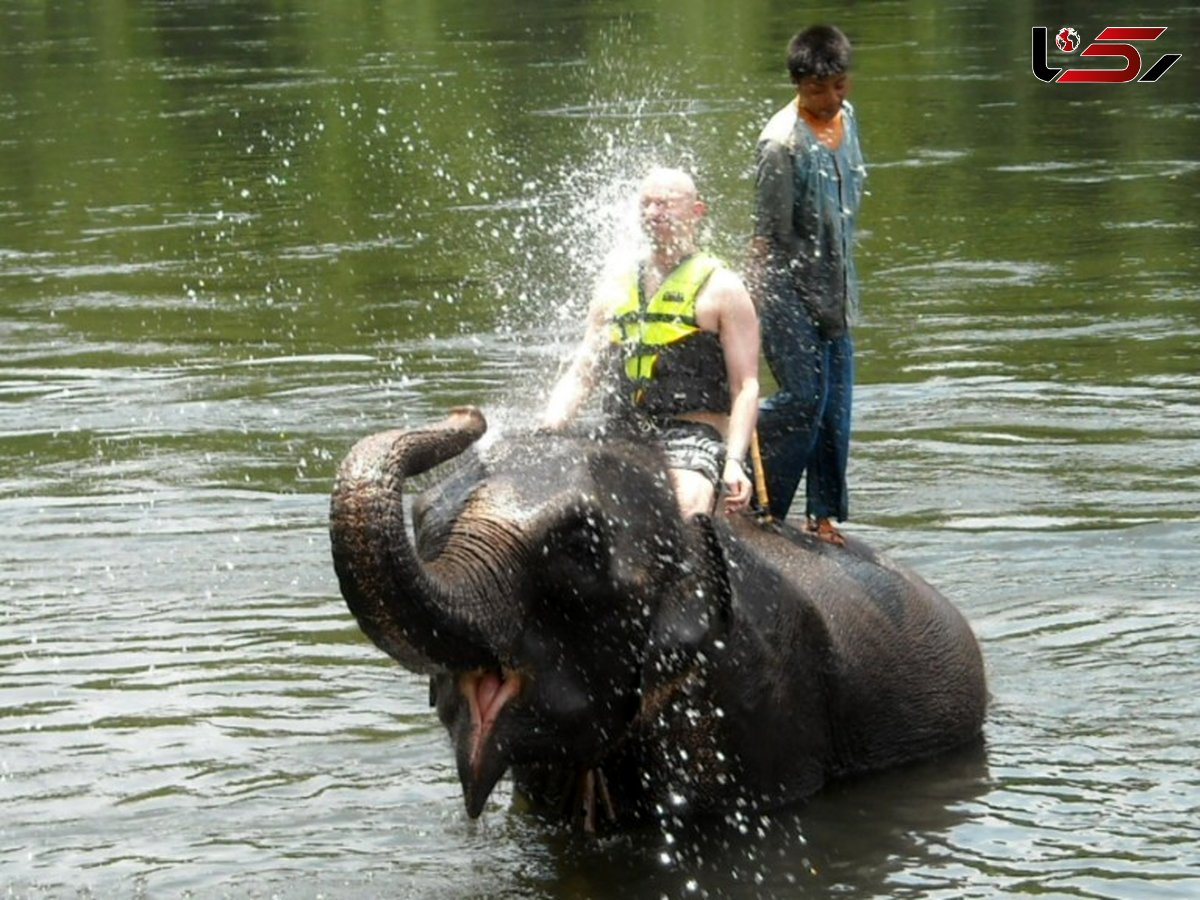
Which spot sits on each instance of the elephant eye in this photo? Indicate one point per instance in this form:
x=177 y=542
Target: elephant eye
x=581 y=541
x=585 y=543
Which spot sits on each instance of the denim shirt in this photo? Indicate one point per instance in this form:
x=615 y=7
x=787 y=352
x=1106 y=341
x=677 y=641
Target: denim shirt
x=807 y=199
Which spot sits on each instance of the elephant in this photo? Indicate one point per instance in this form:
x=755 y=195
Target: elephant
x=621 y=662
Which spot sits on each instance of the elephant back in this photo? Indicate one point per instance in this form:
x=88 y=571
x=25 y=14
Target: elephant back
x=902 y=671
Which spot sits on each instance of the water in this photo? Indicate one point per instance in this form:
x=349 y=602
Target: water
x=235 y=237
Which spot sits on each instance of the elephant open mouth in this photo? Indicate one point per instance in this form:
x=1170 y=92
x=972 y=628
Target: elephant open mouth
x=487 y=692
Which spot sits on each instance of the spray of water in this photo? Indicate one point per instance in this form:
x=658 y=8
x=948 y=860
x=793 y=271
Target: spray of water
x=583 y=228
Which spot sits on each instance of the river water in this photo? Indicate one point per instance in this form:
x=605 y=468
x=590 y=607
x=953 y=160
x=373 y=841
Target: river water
x=236 y=236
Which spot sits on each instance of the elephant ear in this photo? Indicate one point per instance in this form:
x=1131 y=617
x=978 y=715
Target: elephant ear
x=691 y=617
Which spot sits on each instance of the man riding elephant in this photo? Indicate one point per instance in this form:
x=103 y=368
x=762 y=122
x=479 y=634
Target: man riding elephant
x=675 y=338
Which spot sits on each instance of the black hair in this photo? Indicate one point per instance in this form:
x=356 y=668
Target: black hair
x=818 y=52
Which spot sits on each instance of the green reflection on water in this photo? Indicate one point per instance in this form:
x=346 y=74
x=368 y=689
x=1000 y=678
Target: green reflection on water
x=186 y=186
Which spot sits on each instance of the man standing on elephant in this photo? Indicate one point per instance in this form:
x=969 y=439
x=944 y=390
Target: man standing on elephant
x=808 y=187
x=675 y=339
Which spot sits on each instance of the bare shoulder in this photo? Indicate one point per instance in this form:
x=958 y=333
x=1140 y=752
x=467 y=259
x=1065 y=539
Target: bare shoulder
x=724 y=296
x=606 y=297
x=727 y=286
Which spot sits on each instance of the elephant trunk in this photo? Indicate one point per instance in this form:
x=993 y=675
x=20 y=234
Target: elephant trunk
x=441 y=614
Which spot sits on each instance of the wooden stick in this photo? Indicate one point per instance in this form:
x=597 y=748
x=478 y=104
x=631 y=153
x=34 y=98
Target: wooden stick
x=760 y=476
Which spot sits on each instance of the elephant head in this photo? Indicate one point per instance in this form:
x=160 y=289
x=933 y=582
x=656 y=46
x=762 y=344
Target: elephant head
x=550 y=590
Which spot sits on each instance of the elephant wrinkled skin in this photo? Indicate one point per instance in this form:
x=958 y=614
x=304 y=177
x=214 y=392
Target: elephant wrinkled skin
x=619 y=660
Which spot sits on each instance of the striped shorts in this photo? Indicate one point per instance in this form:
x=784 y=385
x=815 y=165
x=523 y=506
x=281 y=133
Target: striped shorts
x=694 y=446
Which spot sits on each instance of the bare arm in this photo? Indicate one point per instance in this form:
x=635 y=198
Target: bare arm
x=726 y=305
x=577 y=382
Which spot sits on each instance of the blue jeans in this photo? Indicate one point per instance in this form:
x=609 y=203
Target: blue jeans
x=804 y=428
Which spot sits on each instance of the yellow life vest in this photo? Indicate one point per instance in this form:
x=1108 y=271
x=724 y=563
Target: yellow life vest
x=667 y=362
